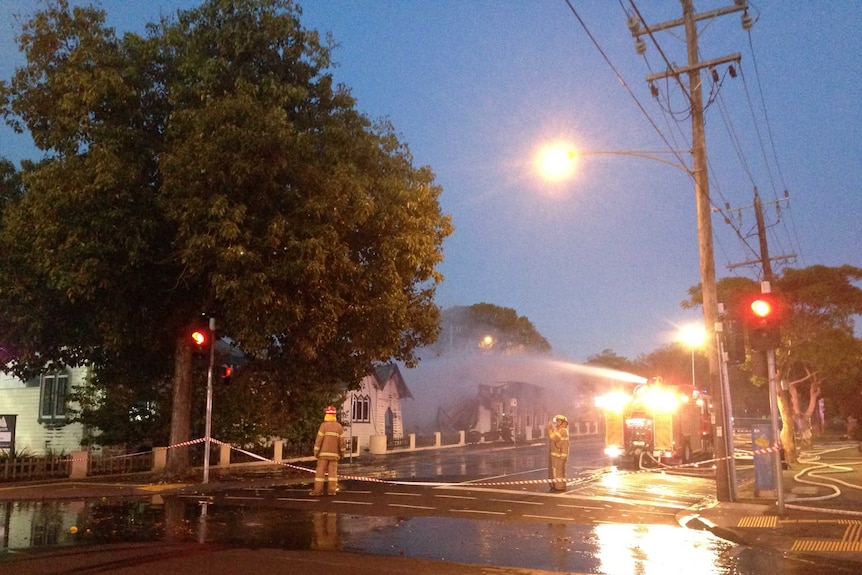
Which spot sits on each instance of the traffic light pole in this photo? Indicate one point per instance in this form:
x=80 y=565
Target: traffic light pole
x=724 y=382
x=208 y=431
x=772 y=375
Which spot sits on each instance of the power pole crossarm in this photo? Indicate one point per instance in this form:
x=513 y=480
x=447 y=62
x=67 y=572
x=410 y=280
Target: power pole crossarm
x=676 y=70
x=638 y=31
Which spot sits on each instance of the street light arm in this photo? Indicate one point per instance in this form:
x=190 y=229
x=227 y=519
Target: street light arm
x=646 y=154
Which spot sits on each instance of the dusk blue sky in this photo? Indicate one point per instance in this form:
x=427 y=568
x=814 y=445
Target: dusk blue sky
x=603 y=259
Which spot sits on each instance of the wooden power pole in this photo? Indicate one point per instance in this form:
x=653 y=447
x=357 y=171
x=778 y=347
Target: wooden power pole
x=700 y=175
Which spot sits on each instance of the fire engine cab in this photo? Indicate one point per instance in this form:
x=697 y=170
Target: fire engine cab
x=668 y=423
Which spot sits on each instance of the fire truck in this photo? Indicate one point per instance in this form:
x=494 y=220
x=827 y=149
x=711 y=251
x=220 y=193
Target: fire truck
x=657 y=423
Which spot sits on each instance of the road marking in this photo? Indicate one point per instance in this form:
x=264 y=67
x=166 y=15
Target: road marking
x=822 y=521
x=583 y=507
x=455 y=496
x=493 y=477
x=518 y=501
x=552 y=518
x=478 y=511
x=853 y=533
x=767 y=522
x=411 y=506
x=295 y=499
x=826 y=545
x=342 y=502
x=402 y=494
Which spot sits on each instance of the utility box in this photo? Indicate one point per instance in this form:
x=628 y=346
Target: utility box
x=764 y=470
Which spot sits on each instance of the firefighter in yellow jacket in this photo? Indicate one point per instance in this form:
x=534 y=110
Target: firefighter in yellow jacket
x=328 y=449
x=558 y=451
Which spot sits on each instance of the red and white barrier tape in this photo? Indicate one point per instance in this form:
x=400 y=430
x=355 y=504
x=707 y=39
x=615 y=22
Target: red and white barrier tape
x=567 y=480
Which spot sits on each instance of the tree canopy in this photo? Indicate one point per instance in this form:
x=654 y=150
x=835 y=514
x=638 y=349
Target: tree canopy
x=488 y=328
x=212 y=167
x=819 y=354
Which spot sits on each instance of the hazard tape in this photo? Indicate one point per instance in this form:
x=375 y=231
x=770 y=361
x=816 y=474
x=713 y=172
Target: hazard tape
x=568 y=480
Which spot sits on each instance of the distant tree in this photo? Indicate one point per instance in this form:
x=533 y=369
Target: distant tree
x=673 y=363
x=488 y=328
x=609 y=358
x=211 y=167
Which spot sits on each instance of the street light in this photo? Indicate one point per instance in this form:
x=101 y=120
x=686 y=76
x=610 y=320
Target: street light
x=694 y=337
x=558 y=161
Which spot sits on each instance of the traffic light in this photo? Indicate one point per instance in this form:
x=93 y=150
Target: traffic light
x=199 y=338
x=763 y=316
x=734 y=341
x=200 y=332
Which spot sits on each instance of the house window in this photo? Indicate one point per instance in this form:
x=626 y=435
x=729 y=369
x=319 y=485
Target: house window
x=52 y=404
x=361 y=409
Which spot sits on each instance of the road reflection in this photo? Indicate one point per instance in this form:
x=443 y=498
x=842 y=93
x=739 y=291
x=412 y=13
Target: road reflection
x=602 y=548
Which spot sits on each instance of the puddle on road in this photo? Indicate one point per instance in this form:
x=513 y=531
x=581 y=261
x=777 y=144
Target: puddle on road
x=604 y=548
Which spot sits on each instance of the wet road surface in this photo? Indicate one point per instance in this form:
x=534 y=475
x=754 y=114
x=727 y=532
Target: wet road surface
x=483 y=509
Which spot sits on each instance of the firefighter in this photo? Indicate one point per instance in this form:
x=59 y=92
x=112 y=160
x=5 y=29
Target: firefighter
x=328 y=449
x=558 y=449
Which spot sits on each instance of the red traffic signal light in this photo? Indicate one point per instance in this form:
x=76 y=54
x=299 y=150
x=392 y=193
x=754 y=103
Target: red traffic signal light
x=762 y=308
x=199 y=337
x=763 y=318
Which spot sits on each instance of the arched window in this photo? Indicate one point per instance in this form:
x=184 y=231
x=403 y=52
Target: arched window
x=361 y=409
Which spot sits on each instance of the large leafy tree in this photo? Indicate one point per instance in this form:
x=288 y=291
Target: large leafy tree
x=820 y=354
x=211 y=167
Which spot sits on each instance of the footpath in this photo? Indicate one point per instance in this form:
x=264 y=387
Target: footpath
x=819 y=517
x=822 y=508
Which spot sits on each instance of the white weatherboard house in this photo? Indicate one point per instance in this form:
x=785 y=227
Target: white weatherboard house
x=375 y=408
x=41 y=411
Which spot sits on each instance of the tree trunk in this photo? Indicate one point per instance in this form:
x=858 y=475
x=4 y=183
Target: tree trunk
x=181 y=410
x=788 y=439
x=808 y=431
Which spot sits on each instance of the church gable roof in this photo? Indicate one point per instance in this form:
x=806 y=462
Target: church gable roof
x=387 y=372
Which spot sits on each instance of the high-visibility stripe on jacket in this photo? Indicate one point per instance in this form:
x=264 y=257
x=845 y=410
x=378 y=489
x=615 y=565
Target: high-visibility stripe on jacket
x=330 y=441
x=558 y=442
